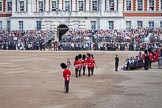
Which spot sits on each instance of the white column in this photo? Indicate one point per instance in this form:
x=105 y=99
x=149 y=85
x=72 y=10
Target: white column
x=60 y=5
x=46 y=5
x=115 y=5
x=120 y=5
x=87 y=5
x=155 y=5
x=34 y=3
x=25 y=5
x=13 y=6
x=102 y=6
x=73 y=5
x=29 y=5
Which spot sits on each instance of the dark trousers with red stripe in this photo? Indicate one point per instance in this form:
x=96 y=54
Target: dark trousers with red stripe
x=84 y=68
x=66 y=86
x=90 y=71
x=77 y=71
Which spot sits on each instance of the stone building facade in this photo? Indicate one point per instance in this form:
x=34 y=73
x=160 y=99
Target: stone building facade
x=79 y=14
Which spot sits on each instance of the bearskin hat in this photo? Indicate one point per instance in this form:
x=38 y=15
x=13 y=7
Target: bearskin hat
x=79 y=56
x=76 y=58
x=84 y=56
x=145 y=51
x=88 y=54
x=92 y=56
x=63 y=65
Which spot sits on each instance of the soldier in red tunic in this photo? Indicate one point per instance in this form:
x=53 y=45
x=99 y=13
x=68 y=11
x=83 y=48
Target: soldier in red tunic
x=84 y=63
x=77 y=66
x=66 y=75
x=151 y=58
x=80 y=63
x=91 y=63
x=156 y=55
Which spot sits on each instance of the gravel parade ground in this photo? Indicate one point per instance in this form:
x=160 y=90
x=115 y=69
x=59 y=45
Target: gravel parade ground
x=33 y=79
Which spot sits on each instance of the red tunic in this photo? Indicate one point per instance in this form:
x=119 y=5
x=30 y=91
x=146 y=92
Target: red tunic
x=143 y=56
x=156 y=56
x=77 y=64
x=66 y=74
x=84 y=63
x=90 y=62
x=151 y=57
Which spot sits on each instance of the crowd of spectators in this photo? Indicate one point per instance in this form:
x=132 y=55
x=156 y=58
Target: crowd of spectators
x=139 y=60
x=76 y=39
x=133 y=39
x=22 y=40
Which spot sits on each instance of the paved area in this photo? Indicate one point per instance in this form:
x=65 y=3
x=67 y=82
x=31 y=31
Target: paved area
x=33 y=79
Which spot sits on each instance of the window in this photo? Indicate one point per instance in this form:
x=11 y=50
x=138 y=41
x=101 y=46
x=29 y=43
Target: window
x=160 y=24
x=111 y=25
x=0 y=25
x=54 y=6
x=151 y=24
x=128 y=24
x=67 y=5
x=94 y=5
x=9 y=6
x=21 y=6
x=0 y=6
x=151 y=5
x=111 y=5
x=128 y=5
x=93 y=25
x=8 y=25
x=139 y=5
x=40 y=6
x=20 y=25
x=139 y=24
x=38 y=25
x=80 y=5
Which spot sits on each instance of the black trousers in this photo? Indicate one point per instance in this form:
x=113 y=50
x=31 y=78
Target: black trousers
x=77 y=71
x=116 y=66
x=84 y=68
x=90 y=71
x=150 y=64
x=146 y=65
x=66 y=86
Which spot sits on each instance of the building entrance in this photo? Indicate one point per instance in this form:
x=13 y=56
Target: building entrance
x=61 y=30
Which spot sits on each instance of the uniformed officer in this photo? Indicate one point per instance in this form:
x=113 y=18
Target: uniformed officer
x=66 y=75
x=77 y=66
x=84 y=63
x=146 y=60
x=80 y=63
x=91 y=63
x=116 y=63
